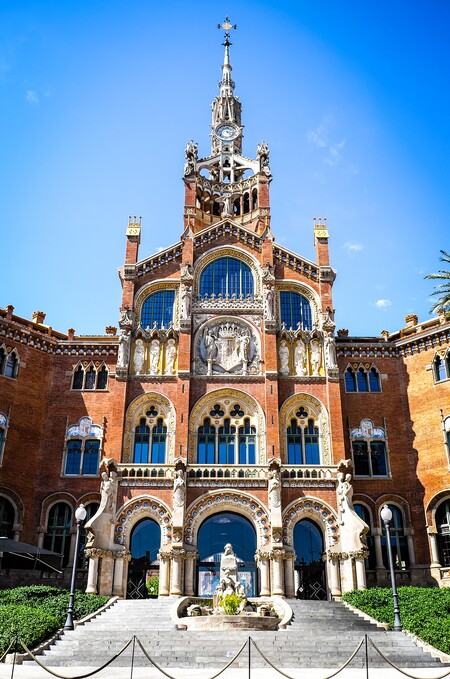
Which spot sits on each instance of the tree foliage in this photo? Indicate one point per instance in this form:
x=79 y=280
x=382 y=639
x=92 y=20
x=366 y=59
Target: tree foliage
x=442 y=290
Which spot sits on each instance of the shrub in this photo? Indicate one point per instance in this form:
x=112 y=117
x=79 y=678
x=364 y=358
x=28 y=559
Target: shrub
x=424 y=611
x=230 y=604
x=153 y=586
x=36 y=612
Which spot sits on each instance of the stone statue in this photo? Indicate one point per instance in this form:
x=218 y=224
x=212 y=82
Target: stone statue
x=124 y=346
x=191 y=154
x=283 y=355
x=244 y=347
x=139 y=356
x=100 y=525
x=274 y=489
x=171 y=354
x=185 y=302
x=315 y=356
x=155 y=348
x=226 y=204
x=179 y=488
x=354 y=529
x=262 y=151
x=330 y=351
x=229 y=579
x=269 y=303
x=210 y=345
x=300 y=357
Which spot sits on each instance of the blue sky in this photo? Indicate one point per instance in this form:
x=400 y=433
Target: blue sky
x=99 y=98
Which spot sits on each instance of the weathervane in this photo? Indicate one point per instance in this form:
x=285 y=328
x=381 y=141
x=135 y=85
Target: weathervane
x=227 y=26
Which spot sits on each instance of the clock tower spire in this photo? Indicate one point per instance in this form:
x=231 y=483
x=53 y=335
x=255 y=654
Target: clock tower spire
x=227 y=184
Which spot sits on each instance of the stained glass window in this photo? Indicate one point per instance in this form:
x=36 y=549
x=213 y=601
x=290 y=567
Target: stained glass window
x=227 y=276
x=158 y=308
x=295 y=310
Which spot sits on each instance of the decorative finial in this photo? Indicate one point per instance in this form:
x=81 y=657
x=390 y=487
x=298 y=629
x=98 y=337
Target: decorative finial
x=227 y=26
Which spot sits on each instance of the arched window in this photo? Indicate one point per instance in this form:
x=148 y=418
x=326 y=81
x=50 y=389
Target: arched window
x=303 y=440
x=362 y=379
x=369 y=450
x=350 y=380
x=7 y=515
x=9 y=363
x=157 y=309
x=398 y=541
x=295 y=311
x=57 y=538
x=150 y=440
x=441 y=368
x=374 y=380
x=227 y=276
x=443 y=527
x=3 y=428
x=364 y=514
x=83 y=444
x=227 y=443
x=90 y=377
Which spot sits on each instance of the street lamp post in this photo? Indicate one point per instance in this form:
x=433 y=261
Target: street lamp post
x=80 y=515
x=386 y=515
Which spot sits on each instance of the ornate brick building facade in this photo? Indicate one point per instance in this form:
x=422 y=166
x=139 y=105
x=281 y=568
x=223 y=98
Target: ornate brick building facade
x=225 y=409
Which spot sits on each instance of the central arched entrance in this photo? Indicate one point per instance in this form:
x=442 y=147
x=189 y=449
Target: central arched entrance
x=145 y=542
x=309 y=568
x=214 y=533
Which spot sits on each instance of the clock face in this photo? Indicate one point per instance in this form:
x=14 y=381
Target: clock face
x=227 y=132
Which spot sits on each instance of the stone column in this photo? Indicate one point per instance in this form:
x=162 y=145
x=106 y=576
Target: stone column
x=164 y=574
x=262 y=559
x=333 y=569
x=177 y=575
x=410 y=543
x=119 y=586
x=434 y=548
x=289 y=575
x=277 y=572
x=378 y=552
x=92 y=575
x=189 y=571
x=360 y=573
x=105 y=580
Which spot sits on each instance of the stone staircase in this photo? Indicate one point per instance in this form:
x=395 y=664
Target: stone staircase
x=322 y=634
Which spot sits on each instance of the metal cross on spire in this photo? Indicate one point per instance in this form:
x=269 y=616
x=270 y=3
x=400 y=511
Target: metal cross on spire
x=227 y=26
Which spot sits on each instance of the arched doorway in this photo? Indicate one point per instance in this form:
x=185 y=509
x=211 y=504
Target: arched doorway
x=214 y=533
x=309 y=568
x=145 y=542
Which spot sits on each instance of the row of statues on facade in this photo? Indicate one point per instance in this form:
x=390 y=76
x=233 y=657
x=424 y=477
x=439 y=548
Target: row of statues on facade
x=307 y=357
x=154 y=352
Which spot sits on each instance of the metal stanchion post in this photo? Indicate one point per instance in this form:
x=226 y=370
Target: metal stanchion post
x=386 y=515
x=132 y=656
x=367 y=656
x=80 y=515
x=249 y=657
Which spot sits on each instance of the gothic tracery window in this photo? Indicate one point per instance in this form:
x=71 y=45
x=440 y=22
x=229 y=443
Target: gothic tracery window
x=369 y=450
x=9 y=362
x=150 y=440
x=399 y=544
x=295 y=310
x=90 y=377
x=226 y=276
x=227 y=437
x=443 y=528
x=441 y=367
x=157 y=309
x=362 y=379
x=303 y=439
x=57 y=537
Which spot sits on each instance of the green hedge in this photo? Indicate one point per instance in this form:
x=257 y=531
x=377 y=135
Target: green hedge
x=35 y=613
x=424 y=611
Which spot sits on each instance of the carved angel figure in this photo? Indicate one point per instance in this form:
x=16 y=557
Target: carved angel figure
x=300 y=358
x=315 y=356
x=122 y=354
x=171 y=353
x=139 y=356
x=330 y=351
x=155 y=348
x=283 y=355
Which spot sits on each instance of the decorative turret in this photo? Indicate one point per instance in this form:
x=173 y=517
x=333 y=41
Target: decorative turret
x=227 y=184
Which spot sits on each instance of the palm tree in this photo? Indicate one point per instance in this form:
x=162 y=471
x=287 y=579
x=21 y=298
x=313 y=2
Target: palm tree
x=443 y=289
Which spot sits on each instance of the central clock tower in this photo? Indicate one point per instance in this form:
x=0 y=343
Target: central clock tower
x=226 y=184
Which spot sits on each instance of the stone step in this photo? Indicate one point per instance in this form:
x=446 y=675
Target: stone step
x=322 y=634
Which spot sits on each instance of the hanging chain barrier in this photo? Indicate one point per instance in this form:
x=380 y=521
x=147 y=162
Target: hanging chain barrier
x=407 y=674
x=2 y=657
x=248 y=643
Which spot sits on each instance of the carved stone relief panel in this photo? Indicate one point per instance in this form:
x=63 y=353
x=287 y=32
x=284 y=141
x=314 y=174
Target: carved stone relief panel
x=227 y=346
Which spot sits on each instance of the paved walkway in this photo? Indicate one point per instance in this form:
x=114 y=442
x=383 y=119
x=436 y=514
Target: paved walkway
x=111 y=672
